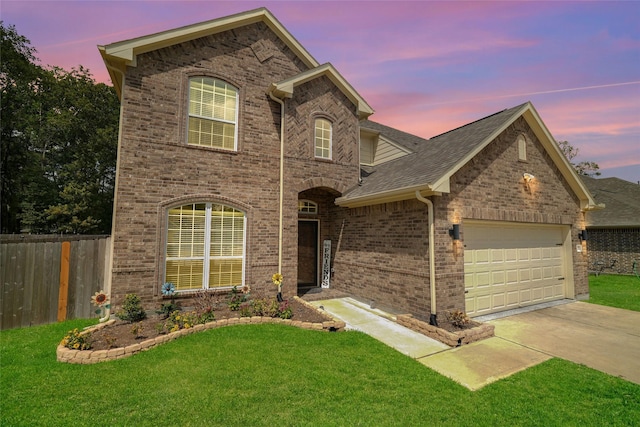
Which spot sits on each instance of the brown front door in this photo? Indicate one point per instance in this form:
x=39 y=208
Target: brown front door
x=307 y=253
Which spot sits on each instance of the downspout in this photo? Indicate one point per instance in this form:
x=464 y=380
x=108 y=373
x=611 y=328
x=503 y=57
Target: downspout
x=281 y=102
x=107 y=290
x=433 y=320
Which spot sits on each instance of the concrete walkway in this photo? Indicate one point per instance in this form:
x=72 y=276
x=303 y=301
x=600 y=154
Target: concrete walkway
x=603 y=338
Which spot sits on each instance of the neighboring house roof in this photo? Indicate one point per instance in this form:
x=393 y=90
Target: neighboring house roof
x=117 y=56
x=285 y=88
x=433 y=162
x=622 y=201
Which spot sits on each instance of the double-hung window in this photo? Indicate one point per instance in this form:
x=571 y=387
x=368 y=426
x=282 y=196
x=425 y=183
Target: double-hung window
x=213 y=113
x=323 y=138
x=205 y=246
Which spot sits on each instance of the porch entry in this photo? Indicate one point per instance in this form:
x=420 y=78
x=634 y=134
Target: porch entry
x=308 y=253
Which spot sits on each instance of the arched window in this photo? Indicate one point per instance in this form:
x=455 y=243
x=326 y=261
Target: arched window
x=205 y=246
x=213 y=113
x=307 y=207
x=323 y=138
x=522 y=148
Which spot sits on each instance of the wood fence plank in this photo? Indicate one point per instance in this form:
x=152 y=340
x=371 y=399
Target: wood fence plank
x=29 y=293
x=63 y=291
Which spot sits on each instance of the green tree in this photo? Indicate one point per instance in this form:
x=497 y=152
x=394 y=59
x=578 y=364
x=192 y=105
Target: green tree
x=19 y=79
x=60 y=148
x=586 y=168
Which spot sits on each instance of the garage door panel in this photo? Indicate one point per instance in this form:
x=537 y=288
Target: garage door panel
x=509 y=265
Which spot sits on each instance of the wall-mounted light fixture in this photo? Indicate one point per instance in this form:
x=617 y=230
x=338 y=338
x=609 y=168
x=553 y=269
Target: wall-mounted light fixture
x=582 y=235
x=454 y=232
x=528 y=177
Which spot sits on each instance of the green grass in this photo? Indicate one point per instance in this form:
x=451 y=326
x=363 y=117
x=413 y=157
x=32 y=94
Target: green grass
x=267 y=375
x=615 y=291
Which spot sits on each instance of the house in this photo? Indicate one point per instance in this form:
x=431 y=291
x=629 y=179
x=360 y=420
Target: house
x=614 y=233
x=241 y=156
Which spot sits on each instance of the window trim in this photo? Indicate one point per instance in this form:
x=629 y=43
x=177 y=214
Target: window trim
x=307 y=204
x=315 y=137
x=522 y=142
x=188 y=115
x=206 y=257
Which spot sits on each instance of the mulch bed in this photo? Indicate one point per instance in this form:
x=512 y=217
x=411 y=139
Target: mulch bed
x=120 y=333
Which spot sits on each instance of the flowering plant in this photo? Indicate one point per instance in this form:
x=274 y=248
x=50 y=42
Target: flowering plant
x=77 y=340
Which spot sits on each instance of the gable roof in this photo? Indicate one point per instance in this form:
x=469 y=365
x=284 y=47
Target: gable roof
x=436 y=160
x=285 y=88
x=621 y=199
x=117 y=56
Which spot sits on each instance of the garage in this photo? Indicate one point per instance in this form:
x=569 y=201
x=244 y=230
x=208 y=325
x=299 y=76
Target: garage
x=509 y=265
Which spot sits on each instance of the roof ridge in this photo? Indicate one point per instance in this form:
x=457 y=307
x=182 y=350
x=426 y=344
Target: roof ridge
x=478 y=120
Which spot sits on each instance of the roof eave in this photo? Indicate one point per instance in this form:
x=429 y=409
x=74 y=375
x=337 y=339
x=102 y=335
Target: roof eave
x=124 y=53
x=396 y=195
x=285 y=88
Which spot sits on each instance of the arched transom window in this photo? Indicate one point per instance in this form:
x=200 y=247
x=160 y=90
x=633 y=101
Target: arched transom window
x=205 y=246
x=307 y=207
x=213 y=113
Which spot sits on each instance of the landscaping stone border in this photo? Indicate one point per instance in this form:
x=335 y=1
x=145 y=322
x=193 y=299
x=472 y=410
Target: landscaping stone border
x=87 y=357
x=452 y=339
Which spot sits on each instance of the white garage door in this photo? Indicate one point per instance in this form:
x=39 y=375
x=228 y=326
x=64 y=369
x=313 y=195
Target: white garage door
x=508 y=266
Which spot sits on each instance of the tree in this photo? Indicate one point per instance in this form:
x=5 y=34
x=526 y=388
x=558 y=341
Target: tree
x=586 y=168
x=59 y=149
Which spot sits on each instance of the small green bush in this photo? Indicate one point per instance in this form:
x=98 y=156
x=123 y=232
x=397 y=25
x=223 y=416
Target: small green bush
x=132 y=310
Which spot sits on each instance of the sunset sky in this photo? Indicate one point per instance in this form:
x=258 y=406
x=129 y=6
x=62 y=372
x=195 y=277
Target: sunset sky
x=425 y=66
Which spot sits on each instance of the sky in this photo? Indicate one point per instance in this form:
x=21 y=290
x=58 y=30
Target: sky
x=425 y=67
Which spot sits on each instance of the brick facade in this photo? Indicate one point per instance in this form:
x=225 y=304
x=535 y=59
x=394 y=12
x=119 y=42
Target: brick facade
x=158 y=170
x=383 y=250
x=608 y=244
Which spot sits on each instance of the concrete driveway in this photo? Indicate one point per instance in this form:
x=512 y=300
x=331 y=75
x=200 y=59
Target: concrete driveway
x=602 y=338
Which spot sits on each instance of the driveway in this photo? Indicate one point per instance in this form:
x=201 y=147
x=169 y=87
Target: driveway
x=602 y=338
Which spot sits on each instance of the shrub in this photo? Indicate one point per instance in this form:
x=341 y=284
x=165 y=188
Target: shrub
x=458 y=318
x=132 y=310
x=77 y=340
x=236 y=300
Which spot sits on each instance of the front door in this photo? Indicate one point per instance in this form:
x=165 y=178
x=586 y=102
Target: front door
x=307 y=253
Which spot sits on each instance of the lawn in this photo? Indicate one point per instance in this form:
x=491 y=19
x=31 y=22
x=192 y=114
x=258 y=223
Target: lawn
x=267 y=375
x=615 y=291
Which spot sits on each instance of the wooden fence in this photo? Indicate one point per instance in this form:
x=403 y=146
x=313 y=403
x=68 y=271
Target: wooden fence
x=49 y=278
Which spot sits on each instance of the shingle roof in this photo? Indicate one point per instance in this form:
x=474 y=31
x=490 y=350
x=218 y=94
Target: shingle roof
x=431 y=160
x=621 y=199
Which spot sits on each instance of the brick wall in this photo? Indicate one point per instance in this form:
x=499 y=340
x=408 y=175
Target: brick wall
x=608 y=244
x=157 y=170
x=382 y=254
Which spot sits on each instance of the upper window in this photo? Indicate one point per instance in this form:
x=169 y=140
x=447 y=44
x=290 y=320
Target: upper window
x=522 y=147
x=323 y=138
x=213 y=113
x=205 y=246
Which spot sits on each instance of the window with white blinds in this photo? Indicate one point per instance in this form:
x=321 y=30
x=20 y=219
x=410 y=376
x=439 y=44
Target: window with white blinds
x=205 y=246
x=323 y=138
x=213 y=113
